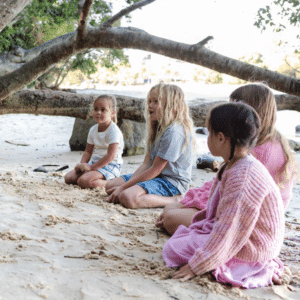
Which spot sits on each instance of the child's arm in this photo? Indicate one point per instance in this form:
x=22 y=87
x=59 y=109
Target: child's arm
x=107 y=158
x=144 y=166
x=86 y=156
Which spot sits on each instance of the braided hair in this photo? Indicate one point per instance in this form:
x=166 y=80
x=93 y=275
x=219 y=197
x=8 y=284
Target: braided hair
x=239 y=122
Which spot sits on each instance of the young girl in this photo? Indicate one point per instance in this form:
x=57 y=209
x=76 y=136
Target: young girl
x=272 y=150
x=102 y=159
x=166 y=170
x=242 y=231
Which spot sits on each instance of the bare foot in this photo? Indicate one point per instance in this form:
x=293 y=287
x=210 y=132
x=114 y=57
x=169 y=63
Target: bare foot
x=276 y=280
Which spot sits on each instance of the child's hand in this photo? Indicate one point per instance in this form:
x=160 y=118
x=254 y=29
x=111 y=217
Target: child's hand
x=160 y=221
x=114 y=194
x=83 y=168
x=185 y=273
x=78 y=168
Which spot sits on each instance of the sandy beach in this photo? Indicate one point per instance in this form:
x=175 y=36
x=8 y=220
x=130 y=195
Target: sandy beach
x=62 y=242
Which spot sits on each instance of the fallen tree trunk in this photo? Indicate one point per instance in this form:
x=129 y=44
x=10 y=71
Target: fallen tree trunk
x=58 y=103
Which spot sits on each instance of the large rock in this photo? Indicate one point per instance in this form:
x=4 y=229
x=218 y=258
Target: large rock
x=134 y=135
x=294 y=145
x=80 y=132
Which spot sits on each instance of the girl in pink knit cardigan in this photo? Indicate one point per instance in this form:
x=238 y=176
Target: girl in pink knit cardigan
x=239 y=235
x=272 y=150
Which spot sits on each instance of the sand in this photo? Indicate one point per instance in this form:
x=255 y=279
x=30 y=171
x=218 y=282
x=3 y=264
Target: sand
x=62 y=242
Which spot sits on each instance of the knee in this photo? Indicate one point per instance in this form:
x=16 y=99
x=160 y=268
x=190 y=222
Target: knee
x=128 y=200
x=168 y=217
x=169 y=221
x=108 y=186
x=83 y=182
x=68 y=179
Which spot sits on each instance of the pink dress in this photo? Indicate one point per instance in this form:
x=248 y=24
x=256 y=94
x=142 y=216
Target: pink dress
x=191 y=245
x=271 y=155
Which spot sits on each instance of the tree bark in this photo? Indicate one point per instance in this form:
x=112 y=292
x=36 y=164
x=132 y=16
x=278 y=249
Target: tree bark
x=58 y=103
x=38 y=60
x=9 y=9
x=21 y=67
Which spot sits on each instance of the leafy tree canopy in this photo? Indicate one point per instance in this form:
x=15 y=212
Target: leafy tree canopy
x=278 y=14
x=43 y=20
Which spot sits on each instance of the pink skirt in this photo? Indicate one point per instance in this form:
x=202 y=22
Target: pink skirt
x=248 y=275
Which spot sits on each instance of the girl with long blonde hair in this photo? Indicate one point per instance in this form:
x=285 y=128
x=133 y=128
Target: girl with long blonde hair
x=272 y=150
x=166 y=170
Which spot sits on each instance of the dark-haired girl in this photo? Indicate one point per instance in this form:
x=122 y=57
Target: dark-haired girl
x=239 y=235
x=271 y=149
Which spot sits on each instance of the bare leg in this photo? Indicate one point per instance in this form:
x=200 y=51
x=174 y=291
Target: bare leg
x=113 y=184
x=136 y=197
x=175 y=217
x=72 y=177
x=91 y=179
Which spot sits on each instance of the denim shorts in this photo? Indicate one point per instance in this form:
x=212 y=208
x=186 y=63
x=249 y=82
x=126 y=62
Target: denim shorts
x=110 y=171
x=156 y=186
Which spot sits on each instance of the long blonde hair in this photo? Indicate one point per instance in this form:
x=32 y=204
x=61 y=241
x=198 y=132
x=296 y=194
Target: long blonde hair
x=261 y=98
x=174 y=109
x=113 y=104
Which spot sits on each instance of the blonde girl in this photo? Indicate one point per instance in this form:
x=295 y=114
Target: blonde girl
x=167 y=166
x=272 y=150
x=239 y=235
x=102 y=158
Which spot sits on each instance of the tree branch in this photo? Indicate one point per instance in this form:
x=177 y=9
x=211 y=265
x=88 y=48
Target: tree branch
x=296 y=70
x=81 y=31
x=205 y=41
x=120 y=38
x=9 y=10
x=126 y=11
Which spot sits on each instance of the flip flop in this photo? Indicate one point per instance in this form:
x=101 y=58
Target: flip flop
x=62 y=168
x=40 y=169
x=17 y=143
x=44 y=170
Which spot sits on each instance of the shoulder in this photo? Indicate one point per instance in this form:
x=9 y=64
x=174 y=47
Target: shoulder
x=273 y=146
x=249 y=166
x=93 y=128
x=251 y=174
x=175 y=129
x=114 y=130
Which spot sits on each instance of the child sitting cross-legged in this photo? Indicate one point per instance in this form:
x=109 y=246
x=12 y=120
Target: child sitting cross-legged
x=239 y=235
x=102 y=158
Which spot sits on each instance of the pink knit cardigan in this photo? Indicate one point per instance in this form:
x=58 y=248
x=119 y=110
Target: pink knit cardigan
x=271 y=155
x=249 y=218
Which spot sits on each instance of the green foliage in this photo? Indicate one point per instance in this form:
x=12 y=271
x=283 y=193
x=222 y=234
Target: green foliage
x=290 y=66
x=287 y=10
x=254 y=59
x=43 y=20
x=214 y=77
x=39 y=22
x=111 y=58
